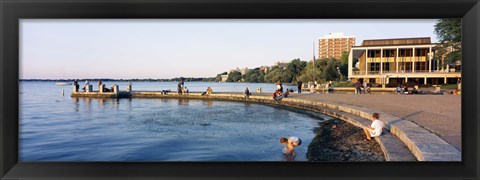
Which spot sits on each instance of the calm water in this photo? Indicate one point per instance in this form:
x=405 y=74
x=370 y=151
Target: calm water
x=60 y=128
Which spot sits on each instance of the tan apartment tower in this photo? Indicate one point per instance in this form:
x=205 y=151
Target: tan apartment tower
x=333 y=44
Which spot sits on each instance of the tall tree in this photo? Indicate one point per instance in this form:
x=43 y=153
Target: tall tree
x=295 y=67
x=449 y=32
x=329 y=69
x=310 y=73
x=344 y=63
x=234 y=76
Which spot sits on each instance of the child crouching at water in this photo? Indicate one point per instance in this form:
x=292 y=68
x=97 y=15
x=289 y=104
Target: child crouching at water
x=290 y=145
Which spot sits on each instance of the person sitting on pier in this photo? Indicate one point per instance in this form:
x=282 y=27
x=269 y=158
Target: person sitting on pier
x=290 y=144
x=287 y=93
x=399 y=89
x=375 y=128
x=85 y=87
x=367 y=89
x=207 y=92
x=405 y=89
x=105 y=89
x=277 y=95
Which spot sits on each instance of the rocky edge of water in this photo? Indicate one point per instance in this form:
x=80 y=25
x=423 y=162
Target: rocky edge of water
x=337 y=140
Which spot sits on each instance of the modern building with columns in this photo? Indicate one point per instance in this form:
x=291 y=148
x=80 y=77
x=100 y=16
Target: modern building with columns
x=382 y=61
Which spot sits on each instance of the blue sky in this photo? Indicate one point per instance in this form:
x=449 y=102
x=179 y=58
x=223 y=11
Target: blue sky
x=51 y=49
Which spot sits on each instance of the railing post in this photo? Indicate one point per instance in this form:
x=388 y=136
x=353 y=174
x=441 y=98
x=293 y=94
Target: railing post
x=115 y=89
x=129 y=87
x=88 y=88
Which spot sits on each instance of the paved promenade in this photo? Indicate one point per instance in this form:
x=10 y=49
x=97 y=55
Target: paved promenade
x=439 y=114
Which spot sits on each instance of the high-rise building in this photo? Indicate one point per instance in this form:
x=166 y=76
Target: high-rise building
x=333 y=44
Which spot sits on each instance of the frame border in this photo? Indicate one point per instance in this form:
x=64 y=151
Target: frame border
x=13 y=10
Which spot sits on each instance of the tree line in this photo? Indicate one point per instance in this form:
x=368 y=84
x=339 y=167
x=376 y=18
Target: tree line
x=322 y=70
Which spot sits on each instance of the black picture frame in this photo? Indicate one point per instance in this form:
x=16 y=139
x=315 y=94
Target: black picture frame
x=13 y=10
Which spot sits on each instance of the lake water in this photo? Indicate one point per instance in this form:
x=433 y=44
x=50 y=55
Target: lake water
x=56 y=127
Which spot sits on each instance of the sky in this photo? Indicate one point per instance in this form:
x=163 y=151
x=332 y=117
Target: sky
x=169 y=48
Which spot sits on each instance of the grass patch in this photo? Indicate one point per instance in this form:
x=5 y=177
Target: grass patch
x=343 y=84
x=449 y=86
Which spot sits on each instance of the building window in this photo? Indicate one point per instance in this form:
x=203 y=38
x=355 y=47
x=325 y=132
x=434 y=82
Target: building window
x=386 y=67
x=389 y=53
x=420 y=52
x=405 y=53
x=421 y=66
x=374 y=67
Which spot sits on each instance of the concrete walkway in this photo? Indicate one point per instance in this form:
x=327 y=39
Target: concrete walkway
x=429 y=125
x=439 y=114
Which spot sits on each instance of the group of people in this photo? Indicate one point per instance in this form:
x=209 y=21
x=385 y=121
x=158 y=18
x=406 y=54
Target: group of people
x=362 y=88
x=405 y=90
x=279 y=94
x=181 y=88
x=101 y=86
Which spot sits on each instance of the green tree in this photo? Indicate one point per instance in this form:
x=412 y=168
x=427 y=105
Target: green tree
x=344 y=64
x=252 y=75
x=449 y=33
x=310 y=73
x=295 y=67
x=234 y=76
x=329 y=69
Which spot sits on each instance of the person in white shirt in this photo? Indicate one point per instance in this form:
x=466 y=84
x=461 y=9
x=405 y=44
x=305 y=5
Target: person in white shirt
x=375 y=128
x=290 y=145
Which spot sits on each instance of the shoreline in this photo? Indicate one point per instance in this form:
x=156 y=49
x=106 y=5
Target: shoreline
x=337 y=140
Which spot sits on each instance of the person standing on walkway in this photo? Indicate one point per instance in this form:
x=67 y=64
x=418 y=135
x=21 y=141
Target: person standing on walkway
x=365 y=87
x=375 y=128
x=279 y=85
x=357 y=87
x=75 y=83
x=180 y=86
x=299 y=86
x=247 y=93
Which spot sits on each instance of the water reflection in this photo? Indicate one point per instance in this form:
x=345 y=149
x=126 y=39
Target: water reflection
x=75 y=104
x=103 y=104
x=183 y=102
x=208 y=103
